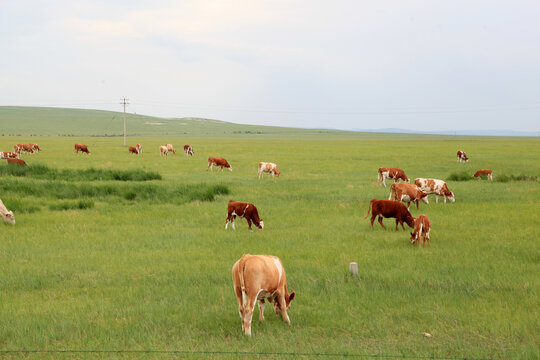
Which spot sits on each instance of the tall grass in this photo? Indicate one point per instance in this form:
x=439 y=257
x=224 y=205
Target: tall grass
x=461 y=176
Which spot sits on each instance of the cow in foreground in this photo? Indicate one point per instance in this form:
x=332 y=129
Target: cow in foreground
x=389 y=209
x=8 y=155
x=139 y=148
x=163 y=150
x=461 y=156
x=188 y=150
x=19 y=162
x=82 y=148
x=6 y=215
x=437 y=187
x=260 y=277
x=407 y=193
x=218 y=161
x=244 y=210
x=170 y=148
x=391 y=173
x=269 y=168
x=133 y=150
x=487 y=172
x=422 y=225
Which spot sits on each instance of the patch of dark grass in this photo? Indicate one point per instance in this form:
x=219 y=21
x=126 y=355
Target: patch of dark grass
x=21 y=206
x=462 y=176
x=69 y=205
x=506 y=178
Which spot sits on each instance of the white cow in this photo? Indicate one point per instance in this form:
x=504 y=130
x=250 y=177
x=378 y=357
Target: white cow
x=268 y=167
x=6 y=215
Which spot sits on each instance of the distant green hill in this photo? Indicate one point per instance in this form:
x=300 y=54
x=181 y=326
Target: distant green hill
x=27 y=121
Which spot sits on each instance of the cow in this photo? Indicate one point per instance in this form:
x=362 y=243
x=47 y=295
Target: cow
x=391 y=173
x=388 y=209
x=163 y=150
x=23 y=147
x=35 y=147
x=139 y=148
x=133 y=150
x=487 y=172
x=82 y=148
x=422 y=225
x=461 y=156
x=188 y=150
x=170 y=148
x=6 y=215
x=260 y=277
x=244 y=210
x=8 y=155
x=16 y=162
x=268 y=167
x=218 y=161
x=17 y=149
x=437 y=187
x=407 y=193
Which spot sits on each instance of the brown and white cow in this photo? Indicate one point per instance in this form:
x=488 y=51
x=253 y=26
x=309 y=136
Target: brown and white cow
x=437 y=187
x=244 y=210
x=8 y=155
x=391 y=173
x=35 y=147
x=268 y=167
x=218 y=161
x=170 y=148
x=163 y=150
x=82 y=148
x=133 y=150
x=389 y=209
x=407 y=193
x=461 y=156
x=16 y=162
x=24 y=147
x=487 y=172
x=6 y=215
x=422 y=226
x=260 y=277
x=17 y=149
x=139 y=148
x=188 y=150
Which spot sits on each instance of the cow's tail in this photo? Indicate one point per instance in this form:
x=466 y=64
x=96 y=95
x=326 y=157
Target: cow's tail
x=369 y=209
x=242 y=284
x=420 y=232
x=379 y=176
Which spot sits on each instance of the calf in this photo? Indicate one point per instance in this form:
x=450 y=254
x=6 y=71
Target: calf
x=218 y=161
x=422 y=225
x=268 y=167
x=6 y=215
x=487 y=172
x=388 y=209
x=163 y=150
x=170 y=148
x=16 y=162
x=133 y=150
x=391 y=173
x=8 y=155
x=82 y=148
x=461 y=156
x=245 y=210
x=260 y=277
x=188 y=150
x=407 y=193
x=437 y=187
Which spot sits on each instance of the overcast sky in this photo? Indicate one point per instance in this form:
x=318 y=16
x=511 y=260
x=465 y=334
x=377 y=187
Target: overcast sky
x=422 y=65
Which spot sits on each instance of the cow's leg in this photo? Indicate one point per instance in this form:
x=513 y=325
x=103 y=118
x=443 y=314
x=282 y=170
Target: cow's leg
x=261 y=310
x=249 y=224
x=259 y=173
x=233 y=221
x=380 y=221
x=436 y=198
x=444 y=199
x=248 y=313
x=384 y=180
x=372 y=219
x=417 y=201
x=239 y=299
x=281 y=300
x=227 y=221
x=426 y=236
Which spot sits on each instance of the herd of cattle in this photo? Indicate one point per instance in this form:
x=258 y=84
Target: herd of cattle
x=258 y=278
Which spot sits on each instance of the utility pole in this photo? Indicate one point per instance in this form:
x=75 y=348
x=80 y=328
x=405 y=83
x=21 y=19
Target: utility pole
x=124 y=102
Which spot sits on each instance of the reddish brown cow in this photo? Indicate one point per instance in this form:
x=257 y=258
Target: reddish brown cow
x=388 y=209
x=260 y=277
x=391 y=173
x=35 y=147
x=133 y=150
x=188 y=150
x=461 y=156
x=245 y=210
x=82 y=148
x=218 y=161
x=24 y=147
x=16 y=162
x=407 y=193
x=8 y=155
x=422 y=225
x=487 y=172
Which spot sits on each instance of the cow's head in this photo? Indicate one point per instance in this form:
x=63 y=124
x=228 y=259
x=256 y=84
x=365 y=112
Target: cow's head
x=424 y=197
x=288 y=299
x=410 y=221
x=230 y=168
x=277 y=173
x=261 y=225
x=413 y=237
x=8 y=217
x=451 y=197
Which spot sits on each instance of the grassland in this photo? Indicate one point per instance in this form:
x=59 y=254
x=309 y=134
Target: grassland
x=151 y=274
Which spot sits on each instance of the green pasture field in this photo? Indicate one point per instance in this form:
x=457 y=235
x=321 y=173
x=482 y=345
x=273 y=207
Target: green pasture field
x=146 y=265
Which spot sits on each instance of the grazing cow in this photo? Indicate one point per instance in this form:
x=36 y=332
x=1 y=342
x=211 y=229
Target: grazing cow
x=437 y=187
x=218 y=161
x=268 y=167
x=422 y=225
x=17 y=149
x=407 y=193
x=35 y=147
x=24 y=147
x=6 y=215
x=163 y=150
x=388 y=209
x=243 y=209
x=82 y=148
x=139 y=148
x=133 y=150
x=16 y=162
x=391 y=173
x=8 y=155
x=260 y=277
x=461 y=156
x=188 y=150
x=170 y=148
x=487 y=172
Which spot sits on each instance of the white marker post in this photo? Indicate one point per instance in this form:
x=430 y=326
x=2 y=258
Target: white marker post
x=353 y=268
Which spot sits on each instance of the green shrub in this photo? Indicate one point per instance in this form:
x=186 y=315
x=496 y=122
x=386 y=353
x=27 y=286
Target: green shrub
x=462 y=176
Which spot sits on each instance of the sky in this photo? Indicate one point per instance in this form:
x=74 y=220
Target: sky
x=419 y=65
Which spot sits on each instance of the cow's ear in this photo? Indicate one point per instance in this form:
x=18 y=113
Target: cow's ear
x=291 y=296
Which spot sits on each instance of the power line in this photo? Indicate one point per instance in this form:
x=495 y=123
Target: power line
x=124 y=102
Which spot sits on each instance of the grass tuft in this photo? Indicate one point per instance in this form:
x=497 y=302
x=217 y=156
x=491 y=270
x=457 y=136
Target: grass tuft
x=506 y=178
x=70 y=205
x=462 y=176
